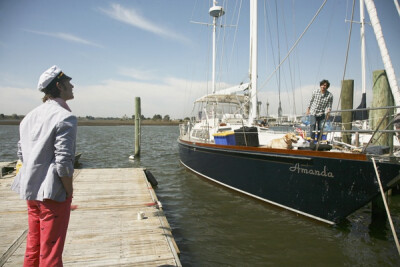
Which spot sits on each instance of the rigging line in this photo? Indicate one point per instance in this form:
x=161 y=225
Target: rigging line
x=222 y=50
x=265 y=38
x=322 y=58
x=348 y=41
x=296 y=43
x=224 y=41
x=293 y=77
x=290 y=70
x=225 y=25
x=396 y=240
x=272 y=47
x=297 y=60
x=236 y=31
x=208 y=63
x=279 y=59
x=347 y=51
x=194 y=8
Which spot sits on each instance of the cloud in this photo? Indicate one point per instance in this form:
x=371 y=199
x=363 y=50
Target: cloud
x=19 y=100
x=115 y=98
x=166 y=96
x=66 y=36
x=134 y=18
x=136 y=74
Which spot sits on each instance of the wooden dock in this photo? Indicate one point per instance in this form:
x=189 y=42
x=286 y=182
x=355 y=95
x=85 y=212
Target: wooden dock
x=104 y=228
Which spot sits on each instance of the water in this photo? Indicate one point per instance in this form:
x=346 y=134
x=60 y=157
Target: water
x=217 y=227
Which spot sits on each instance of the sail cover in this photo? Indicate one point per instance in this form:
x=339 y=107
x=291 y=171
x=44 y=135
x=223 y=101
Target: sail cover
x=228 y=95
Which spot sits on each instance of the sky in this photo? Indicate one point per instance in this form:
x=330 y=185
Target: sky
x=154 y=49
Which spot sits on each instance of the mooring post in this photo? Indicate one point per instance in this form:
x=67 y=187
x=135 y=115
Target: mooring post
x=137 y=126
x=381 y=97
x=347 y=103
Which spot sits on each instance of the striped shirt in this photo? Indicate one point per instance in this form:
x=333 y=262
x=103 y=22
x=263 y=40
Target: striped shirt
x=320 y=102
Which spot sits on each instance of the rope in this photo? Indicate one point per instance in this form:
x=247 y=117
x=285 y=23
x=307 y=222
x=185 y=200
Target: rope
x=279 y=59
x=296 y=43
x=347 y=54
x=386 y=206
x=348 y=49
x=235 y=34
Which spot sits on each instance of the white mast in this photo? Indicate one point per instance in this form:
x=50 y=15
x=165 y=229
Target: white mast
x=215 y=12
x=384 y=52
x=253 y=61
x=362 y=32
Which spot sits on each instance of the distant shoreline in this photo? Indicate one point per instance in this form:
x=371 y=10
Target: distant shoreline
x=107 y=122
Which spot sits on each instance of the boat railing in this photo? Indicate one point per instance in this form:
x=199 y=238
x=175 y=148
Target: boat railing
x=375 y=133
x=184 y=128
x=360 y=130
x=364 y=109
x=188 y=132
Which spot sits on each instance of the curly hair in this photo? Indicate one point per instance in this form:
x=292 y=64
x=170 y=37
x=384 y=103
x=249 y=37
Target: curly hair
x=323 y=82
x=51 y=91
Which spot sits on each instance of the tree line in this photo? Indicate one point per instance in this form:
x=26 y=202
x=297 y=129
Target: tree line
x=156 y=117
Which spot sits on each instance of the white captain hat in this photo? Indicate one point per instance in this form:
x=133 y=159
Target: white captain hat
x=51 y=76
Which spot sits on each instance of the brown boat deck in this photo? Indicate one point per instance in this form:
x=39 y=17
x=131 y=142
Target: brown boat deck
x=104 y=228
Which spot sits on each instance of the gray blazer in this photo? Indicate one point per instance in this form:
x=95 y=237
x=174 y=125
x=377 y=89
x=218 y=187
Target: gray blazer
x=47 y=150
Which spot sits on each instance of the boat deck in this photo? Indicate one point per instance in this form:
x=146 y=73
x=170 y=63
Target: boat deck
x=104 y=228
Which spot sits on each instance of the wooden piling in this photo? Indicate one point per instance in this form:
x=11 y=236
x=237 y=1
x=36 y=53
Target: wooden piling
x=137 y=126
x=347 y=103
x=381 y=97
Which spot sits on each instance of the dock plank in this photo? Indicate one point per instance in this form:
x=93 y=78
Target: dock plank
x=104 y=229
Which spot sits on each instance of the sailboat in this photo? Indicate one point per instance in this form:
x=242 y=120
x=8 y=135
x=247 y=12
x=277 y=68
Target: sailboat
x=225 y=145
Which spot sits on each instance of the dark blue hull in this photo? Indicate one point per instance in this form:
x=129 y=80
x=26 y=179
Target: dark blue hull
x=327 y=186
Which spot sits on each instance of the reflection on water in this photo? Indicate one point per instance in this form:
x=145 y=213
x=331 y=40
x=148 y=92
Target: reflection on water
x=214 y=226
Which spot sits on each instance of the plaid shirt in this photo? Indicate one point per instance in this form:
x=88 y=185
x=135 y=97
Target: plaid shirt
x=320 y=102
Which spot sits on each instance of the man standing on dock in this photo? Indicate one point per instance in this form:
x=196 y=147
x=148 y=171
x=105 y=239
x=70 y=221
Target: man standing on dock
x=47 y=149
x=321 y=101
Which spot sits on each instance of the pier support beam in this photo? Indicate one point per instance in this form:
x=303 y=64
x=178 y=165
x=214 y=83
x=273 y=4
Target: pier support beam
x=347 y=103
x=381 y=97
x=137 y=126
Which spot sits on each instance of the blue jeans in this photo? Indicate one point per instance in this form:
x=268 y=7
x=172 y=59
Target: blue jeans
x=316 y=121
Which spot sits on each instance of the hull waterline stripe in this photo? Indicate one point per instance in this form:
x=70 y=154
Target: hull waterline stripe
x=254 y=196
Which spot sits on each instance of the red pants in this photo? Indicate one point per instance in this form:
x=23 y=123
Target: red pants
x=48 y=223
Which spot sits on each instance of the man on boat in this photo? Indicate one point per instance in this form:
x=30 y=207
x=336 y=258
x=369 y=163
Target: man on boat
x=321 y=102
x=47 y=150
x=264 y=123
